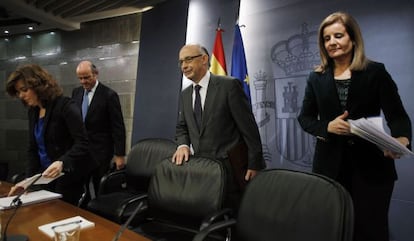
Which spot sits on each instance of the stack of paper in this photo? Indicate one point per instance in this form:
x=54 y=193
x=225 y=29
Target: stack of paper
x=83 y=223
x=28 y=198
x=372 y=131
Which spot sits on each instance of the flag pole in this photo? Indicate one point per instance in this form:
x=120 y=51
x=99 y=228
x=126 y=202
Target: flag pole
x=218 y=60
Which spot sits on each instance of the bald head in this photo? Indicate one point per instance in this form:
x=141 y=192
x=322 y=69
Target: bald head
x=193 y=59
x=87 y=74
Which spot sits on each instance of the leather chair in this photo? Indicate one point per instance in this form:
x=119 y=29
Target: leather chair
x=183 y=199
x=119 y=190
x=290 y=205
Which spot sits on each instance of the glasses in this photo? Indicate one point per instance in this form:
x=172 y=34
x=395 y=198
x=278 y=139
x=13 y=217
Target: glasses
x=188 y=59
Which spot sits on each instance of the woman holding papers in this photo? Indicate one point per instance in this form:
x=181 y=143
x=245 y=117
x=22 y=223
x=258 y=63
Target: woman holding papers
x=57 y=137
x=346 y=85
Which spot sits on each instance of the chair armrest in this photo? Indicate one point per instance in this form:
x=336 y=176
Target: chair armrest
x=134 y=202
x=214 y=227
x=220 y=215
x=112 y=182
x=17 y=178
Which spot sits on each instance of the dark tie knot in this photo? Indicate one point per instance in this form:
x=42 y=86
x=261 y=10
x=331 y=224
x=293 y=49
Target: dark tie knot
x=197 y=88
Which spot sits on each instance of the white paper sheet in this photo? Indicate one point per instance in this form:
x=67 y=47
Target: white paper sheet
x=84 y=223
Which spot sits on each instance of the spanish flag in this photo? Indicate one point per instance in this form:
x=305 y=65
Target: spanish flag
x=218 y=60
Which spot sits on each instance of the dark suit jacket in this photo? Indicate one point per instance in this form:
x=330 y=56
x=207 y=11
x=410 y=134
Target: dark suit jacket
x=64 y=136
x=104 y=123
x=227 y=122
x=371 y=91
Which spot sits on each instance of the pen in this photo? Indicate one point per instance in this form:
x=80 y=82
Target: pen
x=63 y=224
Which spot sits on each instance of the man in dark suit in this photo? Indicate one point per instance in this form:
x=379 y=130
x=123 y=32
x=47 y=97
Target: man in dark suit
x=227 y=122
x=103 y=120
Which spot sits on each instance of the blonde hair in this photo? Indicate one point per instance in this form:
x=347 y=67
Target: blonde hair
x=359 y=60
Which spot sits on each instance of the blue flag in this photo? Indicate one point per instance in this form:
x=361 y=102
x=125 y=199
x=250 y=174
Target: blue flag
x=238 y=62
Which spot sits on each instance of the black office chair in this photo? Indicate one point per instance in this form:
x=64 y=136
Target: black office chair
x=183 y=199
x=289 y=205
x=119 y=190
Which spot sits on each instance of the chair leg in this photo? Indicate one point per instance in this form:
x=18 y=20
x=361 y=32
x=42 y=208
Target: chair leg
x=83 y=196
x=88 y=193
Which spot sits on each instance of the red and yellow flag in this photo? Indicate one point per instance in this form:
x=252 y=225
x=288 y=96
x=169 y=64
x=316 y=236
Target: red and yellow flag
x=218 y=60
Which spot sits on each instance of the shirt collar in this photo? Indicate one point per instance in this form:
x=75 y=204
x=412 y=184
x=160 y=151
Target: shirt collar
x=94 y=87
x=204 y=81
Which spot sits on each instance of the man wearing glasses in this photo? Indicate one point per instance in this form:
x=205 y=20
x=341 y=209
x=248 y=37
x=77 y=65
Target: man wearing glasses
x=102 y=114
x=215 y=118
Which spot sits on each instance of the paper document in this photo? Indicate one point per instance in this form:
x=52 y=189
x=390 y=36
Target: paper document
x=372 y=130
x=29 y=198
x=48 y=228
x=42 y=180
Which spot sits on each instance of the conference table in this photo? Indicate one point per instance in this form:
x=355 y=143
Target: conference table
x=29 y=218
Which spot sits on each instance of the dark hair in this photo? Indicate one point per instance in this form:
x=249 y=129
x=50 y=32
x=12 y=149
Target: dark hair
x=37 y=79
x=204 y=49
x=94 y=69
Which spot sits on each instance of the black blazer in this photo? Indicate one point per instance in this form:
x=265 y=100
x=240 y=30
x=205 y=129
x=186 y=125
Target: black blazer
x=371 y=91
x=227 y=121
x=104 y=123
x=64 y=136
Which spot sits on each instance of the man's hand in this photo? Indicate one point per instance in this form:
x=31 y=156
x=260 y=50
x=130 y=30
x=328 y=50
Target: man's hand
x=181 y=154
x=119 y=162
x=250 y=174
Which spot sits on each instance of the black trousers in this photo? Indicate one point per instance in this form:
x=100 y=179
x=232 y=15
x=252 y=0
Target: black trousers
x=371 y=205
x=70 y=185
x=98 y=173
x=233 y=192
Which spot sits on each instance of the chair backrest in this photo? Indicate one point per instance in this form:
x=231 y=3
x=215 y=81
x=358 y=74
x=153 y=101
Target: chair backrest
x=142 y=159
x=186 y=194
x=295 y=206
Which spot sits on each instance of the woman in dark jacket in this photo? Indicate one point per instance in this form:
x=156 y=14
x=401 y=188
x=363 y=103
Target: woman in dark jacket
x=349 y=86
x=57 y=137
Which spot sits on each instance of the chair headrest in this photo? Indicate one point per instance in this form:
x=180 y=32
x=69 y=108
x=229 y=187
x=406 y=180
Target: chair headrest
x=294 y=205
x=194 y=189
x=147 y=154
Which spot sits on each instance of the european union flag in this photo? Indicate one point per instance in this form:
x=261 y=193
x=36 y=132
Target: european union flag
x=238 y=62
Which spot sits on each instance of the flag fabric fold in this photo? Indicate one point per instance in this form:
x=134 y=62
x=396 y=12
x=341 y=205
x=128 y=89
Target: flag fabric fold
x=218 y=60
x=238 y=62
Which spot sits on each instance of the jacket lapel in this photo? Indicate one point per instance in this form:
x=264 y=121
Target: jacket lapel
x=331 y=89
x=95 y=99
x=212 y=91
x=188 y=106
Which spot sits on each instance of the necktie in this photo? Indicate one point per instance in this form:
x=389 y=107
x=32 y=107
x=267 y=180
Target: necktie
x=85 y=104
x=197 y=106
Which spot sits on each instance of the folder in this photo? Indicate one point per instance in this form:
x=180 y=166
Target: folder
x=30 y=198
x=40 y=180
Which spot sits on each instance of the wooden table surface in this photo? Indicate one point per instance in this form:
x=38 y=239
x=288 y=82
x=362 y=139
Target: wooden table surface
x=29 y=218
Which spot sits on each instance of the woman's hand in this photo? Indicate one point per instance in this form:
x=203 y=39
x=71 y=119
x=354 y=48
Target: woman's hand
x=53 y=170
x=339 y=125
x=404 y=141
x=15 y=190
